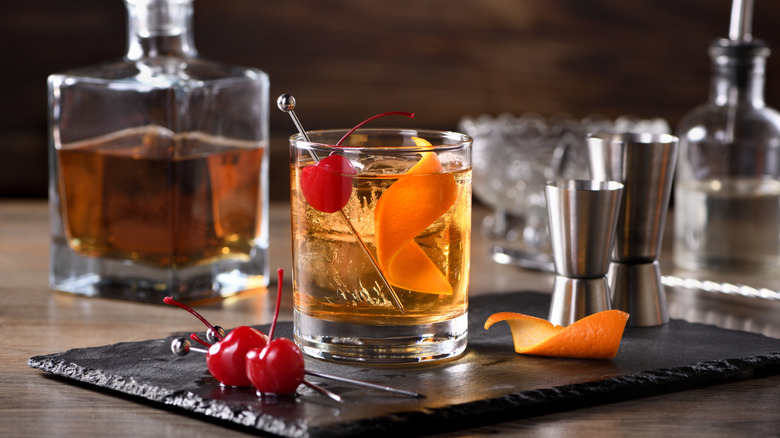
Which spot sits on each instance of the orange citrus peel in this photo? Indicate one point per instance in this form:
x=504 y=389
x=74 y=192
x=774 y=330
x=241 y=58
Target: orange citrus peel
x=595 y=336
x=409 y=206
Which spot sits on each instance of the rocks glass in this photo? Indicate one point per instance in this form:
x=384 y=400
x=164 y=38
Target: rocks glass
x=381 y=230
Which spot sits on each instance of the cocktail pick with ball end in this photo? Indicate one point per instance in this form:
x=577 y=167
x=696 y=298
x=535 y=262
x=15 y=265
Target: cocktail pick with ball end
x=182 y=347
x=286 y=103
x=270 y=365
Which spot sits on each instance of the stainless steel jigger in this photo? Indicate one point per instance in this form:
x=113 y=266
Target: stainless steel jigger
x=582 y=217
x=644 y=163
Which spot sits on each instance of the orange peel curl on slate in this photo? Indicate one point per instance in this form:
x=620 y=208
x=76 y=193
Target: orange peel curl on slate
x=596 y=336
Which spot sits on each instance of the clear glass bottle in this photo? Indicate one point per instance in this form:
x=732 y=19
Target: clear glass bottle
x=158 y=169
x=727 y=189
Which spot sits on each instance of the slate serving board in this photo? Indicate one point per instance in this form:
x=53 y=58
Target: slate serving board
x=489 y=383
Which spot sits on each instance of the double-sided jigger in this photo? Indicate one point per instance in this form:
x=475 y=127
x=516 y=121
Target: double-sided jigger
x=644 y=163
x=582 y=218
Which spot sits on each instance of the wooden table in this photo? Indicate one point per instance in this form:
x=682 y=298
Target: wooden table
x=37 y=321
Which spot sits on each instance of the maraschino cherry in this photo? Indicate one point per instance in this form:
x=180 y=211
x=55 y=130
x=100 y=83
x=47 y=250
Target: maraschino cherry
x=327 y=185
x=278 y=367
x=226 y=359
x=272 y=367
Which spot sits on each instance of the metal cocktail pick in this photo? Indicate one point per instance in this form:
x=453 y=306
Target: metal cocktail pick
x=182 y=347
x=286 y=103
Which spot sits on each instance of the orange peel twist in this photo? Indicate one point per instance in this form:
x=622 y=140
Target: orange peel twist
x=595 y=336
x=409 y=206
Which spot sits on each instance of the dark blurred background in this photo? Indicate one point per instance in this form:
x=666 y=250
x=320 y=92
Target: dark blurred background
x=345 y=60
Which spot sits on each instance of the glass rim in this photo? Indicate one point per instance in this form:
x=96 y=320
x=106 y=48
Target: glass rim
x=454 y=140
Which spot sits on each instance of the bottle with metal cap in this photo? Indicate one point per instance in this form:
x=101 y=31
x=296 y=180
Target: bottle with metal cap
x=727 y=188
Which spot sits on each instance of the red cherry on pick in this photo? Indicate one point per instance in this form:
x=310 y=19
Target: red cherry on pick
x=226 y=360
x=276 y=369
x=327 y=185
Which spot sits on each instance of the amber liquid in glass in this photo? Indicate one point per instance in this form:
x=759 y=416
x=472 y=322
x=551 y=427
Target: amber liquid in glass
x=336 y=281
x=161 y=199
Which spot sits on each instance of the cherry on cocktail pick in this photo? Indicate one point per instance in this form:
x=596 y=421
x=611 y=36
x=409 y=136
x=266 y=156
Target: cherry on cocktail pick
x=277 y=368
x=286 y=103
x=226 y=359
x=182 y=347
x=327 y=184
x=274 y=366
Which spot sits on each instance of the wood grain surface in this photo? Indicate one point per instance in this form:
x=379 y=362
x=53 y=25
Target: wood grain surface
x=345 y=60
x=37 y=321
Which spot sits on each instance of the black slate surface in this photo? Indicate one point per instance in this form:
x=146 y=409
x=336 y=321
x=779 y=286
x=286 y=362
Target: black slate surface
x=489 y=383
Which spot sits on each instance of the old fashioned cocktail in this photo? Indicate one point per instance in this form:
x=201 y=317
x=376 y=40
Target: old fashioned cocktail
x=381 y=229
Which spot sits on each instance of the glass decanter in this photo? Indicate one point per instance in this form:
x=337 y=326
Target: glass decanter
x=158 y=169
x=727 y=191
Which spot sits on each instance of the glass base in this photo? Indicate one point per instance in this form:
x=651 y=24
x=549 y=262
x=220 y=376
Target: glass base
x=124 y=279
x=380 y=344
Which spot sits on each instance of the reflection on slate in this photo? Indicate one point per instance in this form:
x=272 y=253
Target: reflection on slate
x=489 y=383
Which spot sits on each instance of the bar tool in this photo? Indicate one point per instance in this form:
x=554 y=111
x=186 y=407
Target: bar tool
x=645 y=164
x=583 y=218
